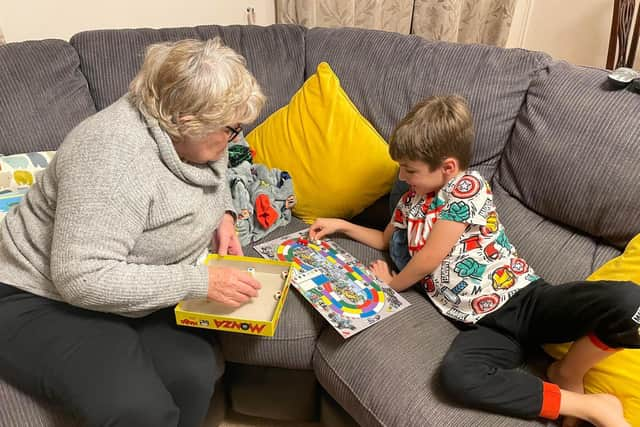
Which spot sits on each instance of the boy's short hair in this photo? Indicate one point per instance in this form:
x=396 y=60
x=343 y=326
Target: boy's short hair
x=436 y=128
x=193 y=87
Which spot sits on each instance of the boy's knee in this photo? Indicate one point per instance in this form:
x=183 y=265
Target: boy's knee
x=620 y=294
x=139 y=409
x=454 y=378
x=465 y=381
x=622 y=328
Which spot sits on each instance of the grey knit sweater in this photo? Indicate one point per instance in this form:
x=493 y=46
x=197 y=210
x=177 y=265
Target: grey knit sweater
x=117 y=220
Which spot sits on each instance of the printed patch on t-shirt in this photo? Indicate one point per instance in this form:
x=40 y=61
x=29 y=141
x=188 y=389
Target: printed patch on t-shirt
x=468 y=186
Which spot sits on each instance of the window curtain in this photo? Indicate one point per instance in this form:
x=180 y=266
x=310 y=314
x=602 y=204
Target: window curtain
x=464 y=21
x=389 y=15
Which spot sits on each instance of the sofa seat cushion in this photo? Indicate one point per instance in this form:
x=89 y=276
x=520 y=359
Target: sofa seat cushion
x=298 y=329
x=21 y=409
x=111 y=58
x=574 y=154
x=387 y=374
x=43 y=95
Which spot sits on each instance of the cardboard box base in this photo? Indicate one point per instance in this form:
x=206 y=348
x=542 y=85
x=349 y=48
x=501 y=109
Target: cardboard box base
x=259 y=316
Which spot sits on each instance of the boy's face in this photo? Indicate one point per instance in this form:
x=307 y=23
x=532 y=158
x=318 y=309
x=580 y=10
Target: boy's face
x=420 y=178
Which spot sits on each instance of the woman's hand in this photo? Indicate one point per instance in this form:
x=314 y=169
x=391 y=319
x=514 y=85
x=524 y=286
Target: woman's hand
x=225 y=239
x=325 y=226
x=231 y=287
x=381 y=269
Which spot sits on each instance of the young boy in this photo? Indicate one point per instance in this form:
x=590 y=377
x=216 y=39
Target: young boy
x=445 y=235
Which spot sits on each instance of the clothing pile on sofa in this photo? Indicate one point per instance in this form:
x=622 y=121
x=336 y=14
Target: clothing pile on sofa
x=263 y=197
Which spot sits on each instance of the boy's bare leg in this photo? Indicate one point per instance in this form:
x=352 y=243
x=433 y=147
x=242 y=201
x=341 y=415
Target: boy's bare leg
x=568 y=373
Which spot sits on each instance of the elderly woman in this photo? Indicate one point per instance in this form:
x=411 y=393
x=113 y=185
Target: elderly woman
x=106 y=242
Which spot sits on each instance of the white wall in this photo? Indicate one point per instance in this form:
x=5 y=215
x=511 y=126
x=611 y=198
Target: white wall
x=574 y=30
x=38 y=19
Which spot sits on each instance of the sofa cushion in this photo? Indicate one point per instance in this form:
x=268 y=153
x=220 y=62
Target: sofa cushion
x=574 y=154
x=43 y=95
x=298 y=329
x=111 y=58
x=387 y=374
x=385 y=74
x=319 y=138
x=21 y=409
x=555 y=252
x=19 y=171
x=618 y=374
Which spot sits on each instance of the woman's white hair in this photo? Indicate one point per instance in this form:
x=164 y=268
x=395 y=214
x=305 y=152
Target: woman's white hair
x=194 y=87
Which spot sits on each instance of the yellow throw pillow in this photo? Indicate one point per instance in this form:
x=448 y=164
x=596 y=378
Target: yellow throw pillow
x=618 y=374
x=338 y=162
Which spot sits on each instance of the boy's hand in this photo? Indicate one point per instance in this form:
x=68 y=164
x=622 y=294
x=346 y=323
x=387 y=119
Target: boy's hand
x=325 y=226
x=381 y=269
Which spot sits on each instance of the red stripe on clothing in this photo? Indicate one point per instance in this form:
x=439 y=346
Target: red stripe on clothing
x=596 y=341
x=550 y=401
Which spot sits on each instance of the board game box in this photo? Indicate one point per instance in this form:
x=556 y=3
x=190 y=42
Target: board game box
x=257 y=317
x=345 y=292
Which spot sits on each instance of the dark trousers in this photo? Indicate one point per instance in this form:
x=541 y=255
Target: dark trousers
x=104 y=368
x=481 y=367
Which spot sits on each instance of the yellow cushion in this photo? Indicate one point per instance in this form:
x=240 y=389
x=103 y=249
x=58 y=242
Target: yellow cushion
x=338 y=162
x=619 y=374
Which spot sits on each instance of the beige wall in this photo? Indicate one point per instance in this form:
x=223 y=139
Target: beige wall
x=574 y=30
x=38 y=19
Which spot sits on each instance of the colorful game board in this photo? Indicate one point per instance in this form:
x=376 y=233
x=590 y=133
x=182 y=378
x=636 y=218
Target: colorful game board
x=338 y=285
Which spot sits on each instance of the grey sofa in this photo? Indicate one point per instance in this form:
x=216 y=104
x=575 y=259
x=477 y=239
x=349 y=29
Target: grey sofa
x=559 y=145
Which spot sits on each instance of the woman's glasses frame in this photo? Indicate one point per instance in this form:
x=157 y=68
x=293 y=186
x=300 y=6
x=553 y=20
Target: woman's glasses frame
x=233 y=132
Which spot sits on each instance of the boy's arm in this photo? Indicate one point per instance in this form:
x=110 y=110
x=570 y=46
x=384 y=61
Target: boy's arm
x=442 y=238
x=369 y=236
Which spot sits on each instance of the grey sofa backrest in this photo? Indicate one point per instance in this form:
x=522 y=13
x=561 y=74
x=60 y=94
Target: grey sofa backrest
x=110 y=58
x=385 y=74
x=43 y=95
x=559 y=146
x=571 y=171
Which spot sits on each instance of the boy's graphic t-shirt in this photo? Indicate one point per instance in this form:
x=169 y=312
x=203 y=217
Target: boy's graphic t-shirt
x=483 y=270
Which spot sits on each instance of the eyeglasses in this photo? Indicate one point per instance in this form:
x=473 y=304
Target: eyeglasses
x=233 y=132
